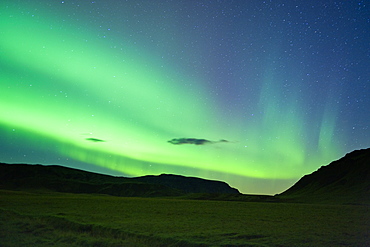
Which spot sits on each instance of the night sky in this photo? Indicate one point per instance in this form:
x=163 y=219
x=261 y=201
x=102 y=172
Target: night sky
x=254 y=93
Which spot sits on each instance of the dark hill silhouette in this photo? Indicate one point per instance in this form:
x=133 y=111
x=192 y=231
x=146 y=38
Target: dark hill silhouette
x=346 y=180
x=63 y=179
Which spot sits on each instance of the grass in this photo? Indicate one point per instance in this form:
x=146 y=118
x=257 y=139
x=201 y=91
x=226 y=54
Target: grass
x=57 y=219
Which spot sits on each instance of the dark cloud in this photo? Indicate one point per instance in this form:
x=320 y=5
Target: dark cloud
x=195 y=141
x=94 y=140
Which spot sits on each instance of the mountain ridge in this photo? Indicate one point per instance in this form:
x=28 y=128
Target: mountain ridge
x=343 y=181
x=64 y=179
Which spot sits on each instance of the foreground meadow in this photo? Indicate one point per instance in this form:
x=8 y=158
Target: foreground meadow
x=57 y=219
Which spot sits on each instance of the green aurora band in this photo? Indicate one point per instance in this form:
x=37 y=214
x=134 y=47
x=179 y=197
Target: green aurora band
x=62 y=88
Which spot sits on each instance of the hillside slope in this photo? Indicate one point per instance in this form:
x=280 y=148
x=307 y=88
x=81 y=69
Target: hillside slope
x=346 y=180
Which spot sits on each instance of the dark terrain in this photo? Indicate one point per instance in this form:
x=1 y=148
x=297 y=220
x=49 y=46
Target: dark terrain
x=59 y=206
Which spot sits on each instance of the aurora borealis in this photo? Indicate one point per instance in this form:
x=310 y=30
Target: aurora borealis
x=268 y=91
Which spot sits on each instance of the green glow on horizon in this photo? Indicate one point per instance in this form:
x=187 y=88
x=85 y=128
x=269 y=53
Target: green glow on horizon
x=59 y=84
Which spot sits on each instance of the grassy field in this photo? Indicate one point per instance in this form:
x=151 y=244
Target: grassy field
x=57 y=219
